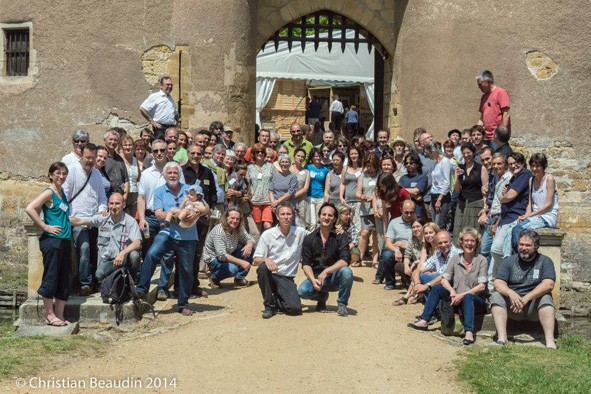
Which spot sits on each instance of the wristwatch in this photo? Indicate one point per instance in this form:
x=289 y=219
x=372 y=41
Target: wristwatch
x=429 y=284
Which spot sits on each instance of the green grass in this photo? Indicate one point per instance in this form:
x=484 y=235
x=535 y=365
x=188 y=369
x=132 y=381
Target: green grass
x=527 y=369
x=27 y=355
x=13 y=277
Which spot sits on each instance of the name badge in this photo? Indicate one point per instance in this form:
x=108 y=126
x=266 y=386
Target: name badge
x=259 y=176
x=357 y=174
x=302 y=172
x=371 y=183
x=312 y=174
x=536 y=274
x=413 y=184
x=63 y=207
x=232 y=181
x=206 y=182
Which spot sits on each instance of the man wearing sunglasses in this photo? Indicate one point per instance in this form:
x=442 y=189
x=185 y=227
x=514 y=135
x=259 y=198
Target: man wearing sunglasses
x=79 y=139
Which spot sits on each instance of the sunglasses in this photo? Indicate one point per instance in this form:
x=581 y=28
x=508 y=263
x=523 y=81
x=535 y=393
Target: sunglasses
x=80 y=141
x=158 y=150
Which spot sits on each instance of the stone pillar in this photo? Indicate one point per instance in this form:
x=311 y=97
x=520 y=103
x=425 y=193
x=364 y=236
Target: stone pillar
x=551 y=246
x=35 y=263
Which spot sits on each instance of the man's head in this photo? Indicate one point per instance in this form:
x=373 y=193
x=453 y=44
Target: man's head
x=466 y=133
x=285 y=212
x=216 y=127
x=327 y=215
x=88 y=156
x=408 y=211
x=328 y=137
x=111 y=140
x=146 y=135
x=307 y=132
x=79 y=139
x=296 y=133
x=424 y=139
x=264 y=137
x=166 y=84
x=159 y=151
x=227 y=135
x=171 y=134
x=383 y=137
x=477 y=135
x=398 y=146
x=499 y=163
x=201 y=138
x=274 y=140
x=240 y=150
x=502 y=135
x=172 y=173
x=443 y=241
x=195 y=154
x=529 y=242
x=486 y=155
x=116 y=204
x=485 y=81
x=218 y=154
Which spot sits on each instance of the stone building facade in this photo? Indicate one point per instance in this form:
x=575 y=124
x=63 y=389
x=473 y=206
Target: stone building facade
x=93 y=63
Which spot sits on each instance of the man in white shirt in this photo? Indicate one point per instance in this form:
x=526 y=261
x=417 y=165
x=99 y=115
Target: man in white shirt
x=79 y=139
x=85 y=192
x=336 y=112
x=277 y=255
x=159 y=108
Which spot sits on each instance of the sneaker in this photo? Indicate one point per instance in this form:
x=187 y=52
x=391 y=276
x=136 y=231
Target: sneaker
x=199 y=292
x=214 y=284
x=320 y=306
x=389 y=287
x=161 y=295
x=241 y=282
x=342 y=311
x=269 y=313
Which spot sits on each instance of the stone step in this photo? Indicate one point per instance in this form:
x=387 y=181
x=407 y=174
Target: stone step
x=514 y=327
x=87 y=310
x=50 y=331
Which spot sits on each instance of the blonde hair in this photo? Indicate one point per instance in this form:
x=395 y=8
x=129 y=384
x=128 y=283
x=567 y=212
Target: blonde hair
x=470 y=231
x=341 y=208
x=434 y=227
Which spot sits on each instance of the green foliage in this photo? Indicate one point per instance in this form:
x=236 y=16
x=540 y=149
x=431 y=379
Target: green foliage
x=527 y=369
x=24 y=356
x=297 y=32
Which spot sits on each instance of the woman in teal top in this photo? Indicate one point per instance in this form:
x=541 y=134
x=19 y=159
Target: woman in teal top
x=54 y=244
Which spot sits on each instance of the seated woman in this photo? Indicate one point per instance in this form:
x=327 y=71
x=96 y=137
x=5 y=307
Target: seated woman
x=542 y=210
x=428 y=248
x=345 y=225
x=463 y=284
x=412 y=257
x=228 y=250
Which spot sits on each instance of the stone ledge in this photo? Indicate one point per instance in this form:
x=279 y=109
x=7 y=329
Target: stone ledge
x=551 y=236
x=49 y=331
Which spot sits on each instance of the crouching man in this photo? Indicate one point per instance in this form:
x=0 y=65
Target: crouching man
x=325 y=260
x=119 y=238
x=277 y=255
x=523 y=289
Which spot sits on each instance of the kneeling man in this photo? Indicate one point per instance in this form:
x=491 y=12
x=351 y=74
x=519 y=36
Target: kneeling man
x=325 y=260
x=278 y=254
x=523 y=285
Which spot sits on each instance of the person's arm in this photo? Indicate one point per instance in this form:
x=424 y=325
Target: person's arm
x=544 y=287
x=484 y=180
x=457 y=184
x=506 y=116
x=134 y=245
x=550 y=190
x=419 y=288
x=392 y=245
x=34 y=210
x=342 y=186
x=141 y=211
x=125 y=190
x=503 y=289
x=304 y=190
x=327 y=186
x=343 y=261
x=79 y=221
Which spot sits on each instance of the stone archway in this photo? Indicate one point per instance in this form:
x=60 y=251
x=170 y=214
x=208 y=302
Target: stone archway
x=377 y=17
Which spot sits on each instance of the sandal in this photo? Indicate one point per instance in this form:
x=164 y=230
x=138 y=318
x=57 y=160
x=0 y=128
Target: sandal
x=375 y=265
x=55 y=321
x=376 y=282
x=356 y=264
x=401 y=301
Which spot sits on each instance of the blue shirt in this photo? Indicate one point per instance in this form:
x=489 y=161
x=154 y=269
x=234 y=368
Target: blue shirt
x=419 y=181
x=513 y=209
x=352 y=117
x=317 y=179
x=165 y=199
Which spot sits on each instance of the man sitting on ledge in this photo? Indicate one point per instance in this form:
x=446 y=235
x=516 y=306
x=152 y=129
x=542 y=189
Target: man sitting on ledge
x=523 y=285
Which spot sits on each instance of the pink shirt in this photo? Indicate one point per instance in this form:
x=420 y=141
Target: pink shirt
x=491 y=105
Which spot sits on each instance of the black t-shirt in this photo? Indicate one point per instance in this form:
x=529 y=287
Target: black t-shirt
x=471 y=183
x=523 y=276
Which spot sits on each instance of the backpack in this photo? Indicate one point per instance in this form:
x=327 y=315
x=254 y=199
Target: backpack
x=117 y=289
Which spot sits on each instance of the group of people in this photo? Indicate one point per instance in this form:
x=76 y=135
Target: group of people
x=453 y=221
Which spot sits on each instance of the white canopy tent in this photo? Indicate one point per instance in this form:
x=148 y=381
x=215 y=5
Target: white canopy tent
x=331 y=67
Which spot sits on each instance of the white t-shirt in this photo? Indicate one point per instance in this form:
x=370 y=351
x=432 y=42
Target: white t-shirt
x=161 y=108
x=285 y=251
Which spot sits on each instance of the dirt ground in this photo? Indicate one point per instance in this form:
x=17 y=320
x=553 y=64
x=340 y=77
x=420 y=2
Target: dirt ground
x=226 y=347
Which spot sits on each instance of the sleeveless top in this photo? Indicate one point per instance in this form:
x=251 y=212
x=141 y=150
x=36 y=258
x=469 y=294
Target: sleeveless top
x=471 y=184
x=133 y=173
x=334 y=186
x=351 y=185
x=539 y=199
x=58 y=214
x=367 y=189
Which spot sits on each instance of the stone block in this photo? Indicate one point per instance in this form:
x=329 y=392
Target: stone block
x=48 y=331
x=486 y=323
x=551 y=246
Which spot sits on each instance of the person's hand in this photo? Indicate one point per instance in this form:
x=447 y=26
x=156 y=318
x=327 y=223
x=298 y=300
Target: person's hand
x=456 y=299
x=493 y=229
x=274 y=204
x=55 y=230
x=420 y=288
x=339 y=229
x=516 y=302
x=343 y=201
x=459 y=172
x=245 y=265
x=317 y=284
x=378 y=214
x=118 y=262
x=407 y=270
x=155 y=124
x=521 y=218
x=191 y=215
x=505 y=188
x=482 y=219
x=104 y=213
x=322 y=277
x=438 y=206
x=143 y=225
x=247 y=249
x=397 y=254
x=271 y=266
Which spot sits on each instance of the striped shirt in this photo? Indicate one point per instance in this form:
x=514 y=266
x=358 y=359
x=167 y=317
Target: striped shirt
x=219 y=243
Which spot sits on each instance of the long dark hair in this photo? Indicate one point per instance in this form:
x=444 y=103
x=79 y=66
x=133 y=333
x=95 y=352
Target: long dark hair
x=391 y=185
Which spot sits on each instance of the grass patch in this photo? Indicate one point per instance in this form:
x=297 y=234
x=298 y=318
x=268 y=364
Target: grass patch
x=527 y=369
x=13 y=277
x=27 y=355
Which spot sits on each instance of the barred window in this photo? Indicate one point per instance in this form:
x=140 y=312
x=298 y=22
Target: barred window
x=16 y=48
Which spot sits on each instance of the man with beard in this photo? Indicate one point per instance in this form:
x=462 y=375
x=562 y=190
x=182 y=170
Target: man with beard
x=523 y=285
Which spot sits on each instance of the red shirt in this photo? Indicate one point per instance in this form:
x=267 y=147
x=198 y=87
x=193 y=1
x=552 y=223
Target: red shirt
x=396 y=204
x=491 y=106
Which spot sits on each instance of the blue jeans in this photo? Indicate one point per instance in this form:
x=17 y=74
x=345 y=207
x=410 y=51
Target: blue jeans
x=424 y=278
x=221 y=270
x=341 y=281
x=471 y=304
x=387 y=257
x=485 y=246
x=501 y=246
x=131 y=261
x=185 y=252
x=532 y=223
x=81 y=238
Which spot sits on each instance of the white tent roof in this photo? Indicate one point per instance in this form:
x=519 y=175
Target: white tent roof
x=320 y=65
